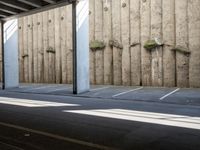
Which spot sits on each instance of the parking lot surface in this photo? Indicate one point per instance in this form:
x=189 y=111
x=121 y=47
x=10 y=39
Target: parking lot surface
x=186 y=96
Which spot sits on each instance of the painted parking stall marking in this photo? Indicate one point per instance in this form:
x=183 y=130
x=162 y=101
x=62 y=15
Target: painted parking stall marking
x=119 y=94
x=98 y=89
x=165 y=96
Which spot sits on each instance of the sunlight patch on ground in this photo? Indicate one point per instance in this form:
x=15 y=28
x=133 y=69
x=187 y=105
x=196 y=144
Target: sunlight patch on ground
x=32 y=103
x=142 y=116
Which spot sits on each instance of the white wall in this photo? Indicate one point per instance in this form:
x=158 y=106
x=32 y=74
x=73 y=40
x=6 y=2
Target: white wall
x=11 y=54
x=83 y=46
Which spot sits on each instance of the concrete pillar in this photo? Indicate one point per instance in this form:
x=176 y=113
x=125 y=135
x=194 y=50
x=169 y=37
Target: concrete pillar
x=81 y=46
x=10 y=54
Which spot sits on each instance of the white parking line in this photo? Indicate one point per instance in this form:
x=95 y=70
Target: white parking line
x=60 y=89
x=127 y=92
x=97 y=89
x=32 y=103
x=39 y=88
x=165 y=96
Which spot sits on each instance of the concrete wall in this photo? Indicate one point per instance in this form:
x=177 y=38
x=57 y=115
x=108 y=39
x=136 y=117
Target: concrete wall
x=46 y=49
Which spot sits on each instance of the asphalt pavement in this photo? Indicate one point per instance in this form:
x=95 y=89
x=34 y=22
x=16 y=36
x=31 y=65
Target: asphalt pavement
x=31 y=121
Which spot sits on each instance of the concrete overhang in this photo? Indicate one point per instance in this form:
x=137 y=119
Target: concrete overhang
x=12 y=9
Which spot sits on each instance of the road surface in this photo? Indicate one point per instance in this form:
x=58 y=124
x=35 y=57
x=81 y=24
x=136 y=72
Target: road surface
x=52 y=122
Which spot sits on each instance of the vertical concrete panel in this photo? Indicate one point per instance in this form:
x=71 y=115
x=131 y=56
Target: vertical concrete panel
x=194 y=43
x=156 y=33
x=51 y=46
x=107 y=35
x=169 y=40
x=182 y=60
x=135 y=45
x=57 y=45
x=145 y=13
x=30 y=48
x=21 y=49
x=116 y=36
x=69 y=48
x=92 y=37
x=35 y=49
x=45 y=45
x=63 y=41
x=40 y=49
x=99 y=68
x=25 y=45
x=125 y=30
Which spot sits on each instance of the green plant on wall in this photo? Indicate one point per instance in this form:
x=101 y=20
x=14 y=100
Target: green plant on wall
x=115 y=43
x=152 y=44
x=97 y=45
x=181 y=49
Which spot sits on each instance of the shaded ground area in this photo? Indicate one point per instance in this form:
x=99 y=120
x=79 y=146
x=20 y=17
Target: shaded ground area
x=155 y=94
x=49 y=122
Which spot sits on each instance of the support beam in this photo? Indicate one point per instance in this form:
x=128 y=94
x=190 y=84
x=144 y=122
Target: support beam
x=34 y=3
x=60 y=3
x=80 y=25
x=50 y=1
x=4 y=14
x=9 y=10
x=15 y=4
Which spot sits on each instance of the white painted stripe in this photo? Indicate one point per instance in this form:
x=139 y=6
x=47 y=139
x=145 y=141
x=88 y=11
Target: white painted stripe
x=32 y=103
x=60 y=89
x=39 y=88
x=24 y=86
x=150 y=115
x=58 y=137
x=119 y=94
x=35 y=88
x=98 y=89
x=178 y=121
x=165 y=96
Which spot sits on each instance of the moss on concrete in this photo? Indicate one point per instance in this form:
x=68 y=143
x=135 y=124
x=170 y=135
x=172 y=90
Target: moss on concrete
x=97 y=45
x=115 y=43
x=181 y=50
x=151 y=44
